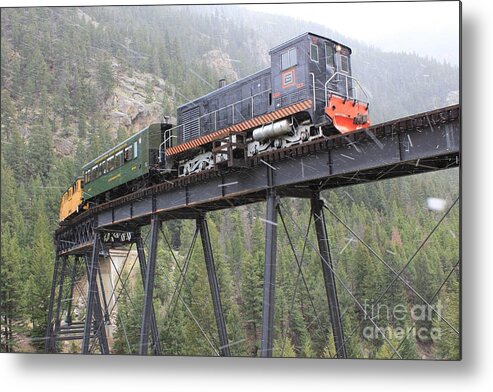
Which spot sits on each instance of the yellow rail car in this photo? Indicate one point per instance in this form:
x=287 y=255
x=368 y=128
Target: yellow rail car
x=72 y=200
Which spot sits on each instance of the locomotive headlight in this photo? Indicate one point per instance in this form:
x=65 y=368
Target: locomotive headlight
x=338 y=48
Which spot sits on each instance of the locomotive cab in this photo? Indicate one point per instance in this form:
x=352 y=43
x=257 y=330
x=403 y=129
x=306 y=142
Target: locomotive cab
x=312 y=67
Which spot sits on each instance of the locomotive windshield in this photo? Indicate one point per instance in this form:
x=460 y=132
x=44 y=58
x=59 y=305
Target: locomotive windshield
x=329 y=55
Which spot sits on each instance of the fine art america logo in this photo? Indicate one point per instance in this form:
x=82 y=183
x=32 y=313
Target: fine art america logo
x=422 y=317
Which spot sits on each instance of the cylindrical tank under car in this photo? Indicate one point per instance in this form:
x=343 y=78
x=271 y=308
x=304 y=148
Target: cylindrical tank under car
x=273 y=130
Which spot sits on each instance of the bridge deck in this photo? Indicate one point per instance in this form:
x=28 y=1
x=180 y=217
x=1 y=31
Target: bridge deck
x=416 y=144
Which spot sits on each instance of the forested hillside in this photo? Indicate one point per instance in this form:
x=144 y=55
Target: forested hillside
x=75 y=81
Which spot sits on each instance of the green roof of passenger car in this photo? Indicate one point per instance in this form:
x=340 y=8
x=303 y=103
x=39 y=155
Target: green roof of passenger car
x=118 y=146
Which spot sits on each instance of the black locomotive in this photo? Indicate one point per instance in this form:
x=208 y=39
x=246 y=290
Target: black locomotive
x=307 y=92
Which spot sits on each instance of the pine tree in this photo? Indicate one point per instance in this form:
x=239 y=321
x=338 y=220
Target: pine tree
x=386 y=351
x=11 y=288
x=40 y=149
x=11 y=214
x=251 y=293
x=307 y=349
x=447 y=341
x=8 y=116
x=37 y=289
x=329 y=350
x=106 y=78
x=408 y=346
x=288 y=351
x=149 y=90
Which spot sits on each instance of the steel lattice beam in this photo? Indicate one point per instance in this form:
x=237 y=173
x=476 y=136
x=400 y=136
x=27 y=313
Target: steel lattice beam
x=214 y=286
x=149 y=286
x=73 y=277
x=156 y=348
x=329 y=278
x=269 y=274
x=49 y=324
x=93 y=304
x=56 y=329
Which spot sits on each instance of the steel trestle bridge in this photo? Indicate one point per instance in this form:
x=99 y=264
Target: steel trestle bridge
x=416 y=144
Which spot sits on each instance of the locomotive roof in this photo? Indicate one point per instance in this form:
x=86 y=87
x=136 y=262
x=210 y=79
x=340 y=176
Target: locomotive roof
x=284 y=44
x=225 y=88
x=292 y=40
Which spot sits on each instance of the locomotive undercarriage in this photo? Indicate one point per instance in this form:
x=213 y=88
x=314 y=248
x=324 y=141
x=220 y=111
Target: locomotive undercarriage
x=298 y=134
x=274 y=136
x=202 y=161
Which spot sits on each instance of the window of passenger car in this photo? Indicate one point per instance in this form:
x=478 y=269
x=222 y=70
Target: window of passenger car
x=94 y=173
x=119 y=159
x=128 y=153
x=111 y=163
x=288 y=59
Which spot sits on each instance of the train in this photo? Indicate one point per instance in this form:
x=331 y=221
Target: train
x=307 y=92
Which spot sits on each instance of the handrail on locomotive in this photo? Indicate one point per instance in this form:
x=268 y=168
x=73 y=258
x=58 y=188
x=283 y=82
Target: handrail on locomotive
x=162 y=146
x=347 y=90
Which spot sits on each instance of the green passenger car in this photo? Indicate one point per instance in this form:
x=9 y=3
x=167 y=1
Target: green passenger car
x=131 y=159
